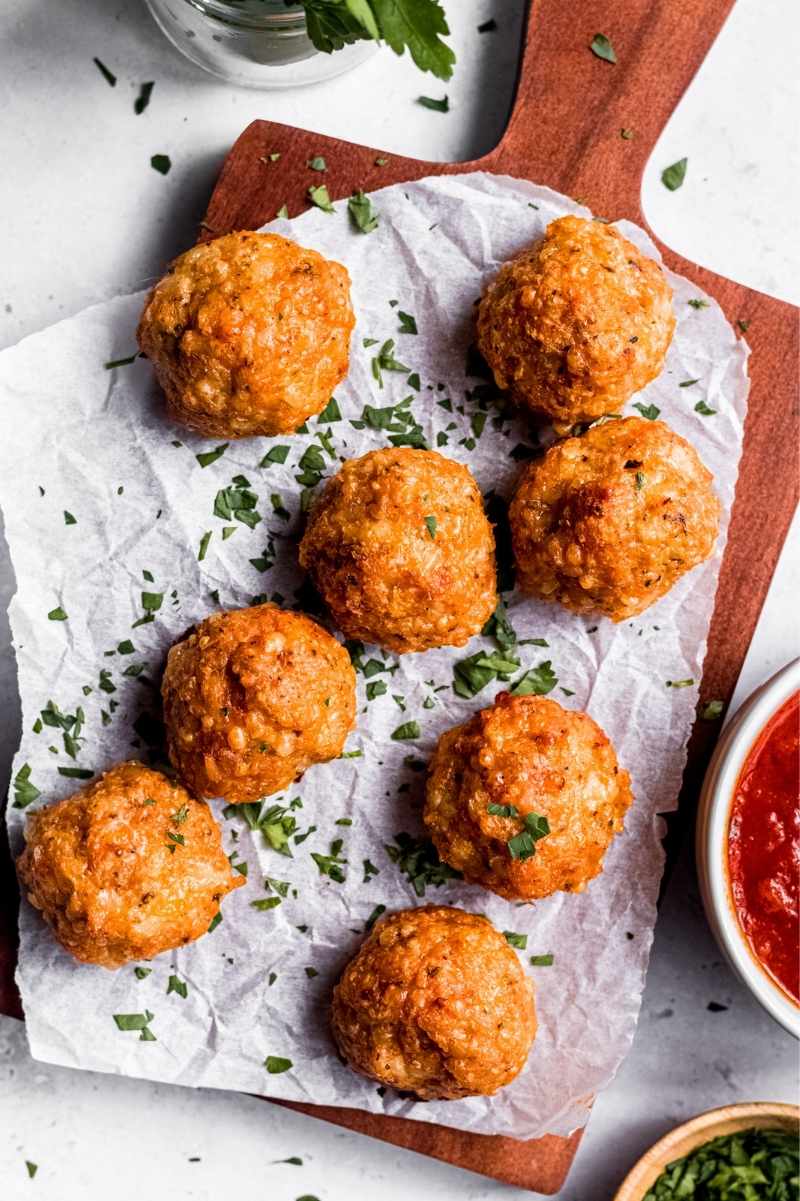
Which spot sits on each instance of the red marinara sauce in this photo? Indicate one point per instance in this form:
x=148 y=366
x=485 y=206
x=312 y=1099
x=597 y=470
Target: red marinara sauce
x=764 y=846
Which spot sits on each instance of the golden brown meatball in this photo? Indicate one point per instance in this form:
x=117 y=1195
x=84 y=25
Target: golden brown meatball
x=254 y=697
x=435 y=1002
x=248 y=334
x=400 y=549
x=128 y=867
x=577 y=323
x=608 y=522
x=493 y=780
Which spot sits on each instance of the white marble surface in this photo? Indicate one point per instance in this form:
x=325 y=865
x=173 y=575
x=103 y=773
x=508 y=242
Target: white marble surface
x=84 y=218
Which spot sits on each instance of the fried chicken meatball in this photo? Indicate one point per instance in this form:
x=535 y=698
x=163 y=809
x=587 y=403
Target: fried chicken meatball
x=400 y=550
x=576 y=323
x=128 y=867
x=492 y=780
x=248 y=334
x=254 y=697
x=436 y=1003
x=608 y=522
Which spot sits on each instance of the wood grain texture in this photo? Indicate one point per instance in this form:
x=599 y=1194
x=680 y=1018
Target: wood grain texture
x=565 y=132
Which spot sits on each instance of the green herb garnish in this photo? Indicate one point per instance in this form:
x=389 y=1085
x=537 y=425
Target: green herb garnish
x=538 y=681
x=108 y=76
x=143 y=99
x=362 y=214
x=601 y=46
x=275 y=1064
x=417 y=859
x=520 y=941
x=319 y=196
x=673 y=176
x=523 y=845
x=751 y=1165
x=161 y=163
x=438 y=106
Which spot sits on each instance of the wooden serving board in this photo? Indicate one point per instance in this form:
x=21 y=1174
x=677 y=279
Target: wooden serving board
x=564 y=131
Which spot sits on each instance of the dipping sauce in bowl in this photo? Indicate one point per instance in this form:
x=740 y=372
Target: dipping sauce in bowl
x=764 y=847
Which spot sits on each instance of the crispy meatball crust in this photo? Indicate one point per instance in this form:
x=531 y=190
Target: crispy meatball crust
x=400 y=549
x=128 y=867
x=436 y=1003
x=608 y=522
x=254 y=697
x=248 y=334
x=529 y=753
x=576 y=323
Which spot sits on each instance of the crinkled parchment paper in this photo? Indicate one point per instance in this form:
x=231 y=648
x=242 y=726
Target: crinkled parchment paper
x=95 y=443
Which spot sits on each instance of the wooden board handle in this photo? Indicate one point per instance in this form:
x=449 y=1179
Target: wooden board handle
x=570 y=105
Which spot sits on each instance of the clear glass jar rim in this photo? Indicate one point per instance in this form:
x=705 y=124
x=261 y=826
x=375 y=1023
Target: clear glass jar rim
x=276 y=14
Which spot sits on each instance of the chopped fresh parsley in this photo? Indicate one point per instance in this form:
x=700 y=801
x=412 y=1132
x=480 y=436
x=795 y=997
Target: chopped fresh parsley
x=712 y=710
x=319 y=196
x=174 y=984
x=471 y=675
x=237 y=502
x=408 y=324
x=136 y=1021
x=275 y=1064
x=278 y=454
x=108 y=76
x=25 y=793
x=317 y=163
x=143 y=99
x=407 y=732
x=161 y=163
x=523 y=845
x=438 y=106
x=206 y=458
x=520 y=941
x=673 y=176
x=331 y=865
x=651 y=412
x=385 y=361
x=329 y=414
x=57 y=614
x=141 y=973
x=373 y=917
x=750 y=1165
x=697 y=303
x=362 y=214
x=542 y=960
x=487 y=26
x=703 y=409
x=679 y=683
x=417 y=859
x=112 y=363
x=204 y=541
x=430 y=524
x=31 y=1168
x=601 y=46
x=537 y=681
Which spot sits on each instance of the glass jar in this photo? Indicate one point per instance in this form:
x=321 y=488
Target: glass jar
x=254 y=43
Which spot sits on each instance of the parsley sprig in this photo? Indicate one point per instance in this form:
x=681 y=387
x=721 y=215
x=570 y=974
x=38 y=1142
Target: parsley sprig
x=416 y=25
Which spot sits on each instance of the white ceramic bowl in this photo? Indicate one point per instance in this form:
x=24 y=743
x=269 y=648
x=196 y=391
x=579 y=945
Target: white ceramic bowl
x=711 y=846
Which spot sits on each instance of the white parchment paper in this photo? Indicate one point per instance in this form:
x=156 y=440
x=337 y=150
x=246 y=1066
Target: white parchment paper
x=95 y=443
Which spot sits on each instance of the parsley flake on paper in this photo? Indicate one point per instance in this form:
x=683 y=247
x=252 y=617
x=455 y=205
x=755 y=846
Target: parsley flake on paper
x=362 y=214
x=276 y=1064
x=417 y=859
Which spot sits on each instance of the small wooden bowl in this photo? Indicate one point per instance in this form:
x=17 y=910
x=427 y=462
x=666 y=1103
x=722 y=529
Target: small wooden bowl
x=683 y=1139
